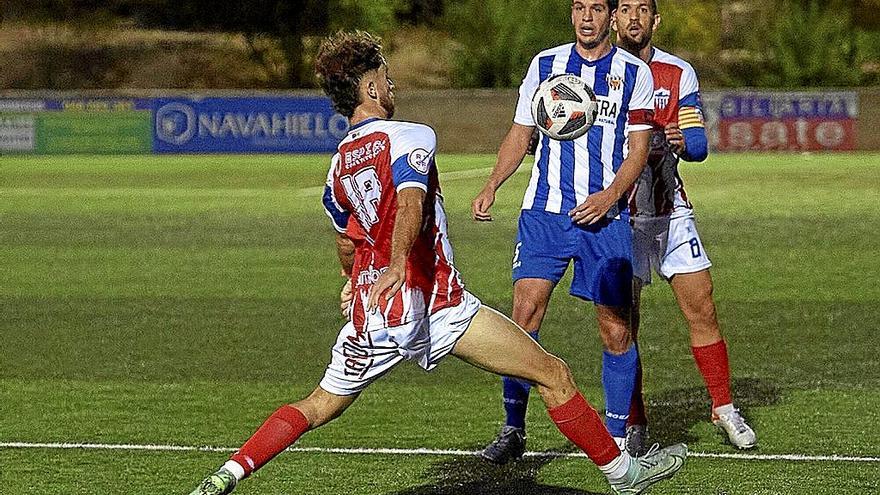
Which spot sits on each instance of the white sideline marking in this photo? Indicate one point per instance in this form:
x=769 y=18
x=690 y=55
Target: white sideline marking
x=435 y=452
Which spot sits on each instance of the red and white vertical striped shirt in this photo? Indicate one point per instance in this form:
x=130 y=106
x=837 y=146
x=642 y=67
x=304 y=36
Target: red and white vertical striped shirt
x=377 y=159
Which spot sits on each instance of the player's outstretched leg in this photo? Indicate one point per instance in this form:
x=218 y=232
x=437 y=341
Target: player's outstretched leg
x=277 y=433
x=694 y=294
x=496 y=344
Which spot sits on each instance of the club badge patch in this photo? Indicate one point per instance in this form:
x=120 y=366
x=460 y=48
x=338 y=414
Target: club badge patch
x=420 y=160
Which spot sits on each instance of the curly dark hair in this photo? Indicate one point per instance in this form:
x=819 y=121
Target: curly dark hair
x=342 y=61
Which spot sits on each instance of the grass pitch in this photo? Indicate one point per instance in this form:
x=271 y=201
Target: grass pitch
x=179 y=300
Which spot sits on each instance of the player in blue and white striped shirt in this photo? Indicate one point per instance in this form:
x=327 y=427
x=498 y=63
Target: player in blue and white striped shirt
x=575 y=208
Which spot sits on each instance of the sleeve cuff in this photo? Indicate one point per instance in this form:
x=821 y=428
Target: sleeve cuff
x=641 y=116
x=412 y=184
x=336 y=226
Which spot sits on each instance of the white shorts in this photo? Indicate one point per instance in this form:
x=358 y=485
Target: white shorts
x=669 y=246
x=359 y=360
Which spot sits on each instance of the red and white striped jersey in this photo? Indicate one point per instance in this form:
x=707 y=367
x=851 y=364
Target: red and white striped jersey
x=377 y=159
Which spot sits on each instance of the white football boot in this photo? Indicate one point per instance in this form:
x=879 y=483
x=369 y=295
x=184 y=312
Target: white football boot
x=740 y=434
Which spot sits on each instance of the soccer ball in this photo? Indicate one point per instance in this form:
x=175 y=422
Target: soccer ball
x=564 y=107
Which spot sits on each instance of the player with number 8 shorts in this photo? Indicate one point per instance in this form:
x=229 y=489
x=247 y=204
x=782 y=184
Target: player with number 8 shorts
x=665 y=237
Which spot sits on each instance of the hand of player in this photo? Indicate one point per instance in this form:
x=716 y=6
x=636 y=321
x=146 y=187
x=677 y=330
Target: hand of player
x=482 y=203
x=594 y=208
x=345 y=297
x=387 y=286
x=675 y=138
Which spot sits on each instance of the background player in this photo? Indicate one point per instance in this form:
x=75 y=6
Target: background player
x=665 y=236
x=409 y=302
x=574 y=210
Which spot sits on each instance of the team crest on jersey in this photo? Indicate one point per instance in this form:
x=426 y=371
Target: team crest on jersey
x=419 y=160
x=661 y=98
x=614 y=81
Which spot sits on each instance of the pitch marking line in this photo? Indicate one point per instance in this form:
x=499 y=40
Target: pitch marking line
x=435 y=452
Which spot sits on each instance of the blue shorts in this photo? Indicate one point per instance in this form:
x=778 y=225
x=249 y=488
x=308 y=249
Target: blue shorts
x=602 y=255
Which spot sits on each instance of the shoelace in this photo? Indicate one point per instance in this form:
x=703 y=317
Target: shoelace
x=737 y=421
x=645 y=459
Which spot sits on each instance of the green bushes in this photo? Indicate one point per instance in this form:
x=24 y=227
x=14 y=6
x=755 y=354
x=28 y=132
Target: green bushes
x=497 y=38
x=789 y=43
x=433 y=43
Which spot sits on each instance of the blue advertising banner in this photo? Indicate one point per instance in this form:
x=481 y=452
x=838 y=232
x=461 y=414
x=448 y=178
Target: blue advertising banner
x=246 y=125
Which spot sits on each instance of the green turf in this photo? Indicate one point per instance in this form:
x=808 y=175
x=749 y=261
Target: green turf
x=179 y=300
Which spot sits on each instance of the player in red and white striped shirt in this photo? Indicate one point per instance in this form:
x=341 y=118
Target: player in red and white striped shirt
x=665 y=236
x=375 y=157
x=409 y=303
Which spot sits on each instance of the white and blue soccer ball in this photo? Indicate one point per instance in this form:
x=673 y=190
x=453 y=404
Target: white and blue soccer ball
x=564 y=107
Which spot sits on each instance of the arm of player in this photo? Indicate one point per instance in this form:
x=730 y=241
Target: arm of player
x=691 y=128
x=515 y=145
x=688 y=136
x=407 y=225
x=510 y=156
x=597 y=205
x=345 y=297
x=339 y=218
x=345 y=252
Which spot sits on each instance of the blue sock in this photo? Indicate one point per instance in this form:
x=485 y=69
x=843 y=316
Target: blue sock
x=618 y=379
x=516 y=397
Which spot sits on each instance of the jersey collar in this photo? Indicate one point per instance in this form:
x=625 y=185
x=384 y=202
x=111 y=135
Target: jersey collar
x=598 y=60
x=363 y=123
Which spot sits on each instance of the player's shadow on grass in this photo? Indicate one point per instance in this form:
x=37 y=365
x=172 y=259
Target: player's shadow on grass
x=672 y=413
x=474 y=476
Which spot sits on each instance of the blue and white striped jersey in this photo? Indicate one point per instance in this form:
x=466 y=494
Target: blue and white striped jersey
x=566 y=172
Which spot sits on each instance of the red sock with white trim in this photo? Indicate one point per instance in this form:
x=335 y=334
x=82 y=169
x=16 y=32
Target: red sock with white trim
x=279 y=431
x=581 y=424
x=712 y=361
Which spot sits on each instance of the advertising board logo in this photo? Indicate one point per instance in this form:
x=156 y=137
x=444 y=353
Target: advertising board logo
x=176 y=123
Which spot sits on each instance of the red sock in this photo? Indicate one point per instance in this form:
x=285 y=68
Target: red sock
x=580 y=423
x=282 y=428
x=637 y=415
x=715 y=368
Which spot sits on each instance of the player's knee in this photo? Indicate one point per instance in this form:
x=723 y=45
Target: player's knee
x=319 y=408
x=617 y=338
x=528 y=311
x=701 y=310
x=557 y=381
